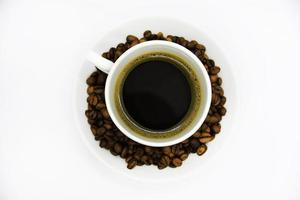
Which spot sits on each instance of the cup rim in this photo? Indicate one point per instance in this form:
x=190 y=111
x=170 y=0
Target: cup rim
x=206 y=105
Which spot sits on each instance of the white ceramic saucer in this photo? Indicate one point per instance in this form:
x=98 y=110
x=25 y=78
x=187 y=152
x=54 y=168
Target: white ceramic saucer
x=168 y=26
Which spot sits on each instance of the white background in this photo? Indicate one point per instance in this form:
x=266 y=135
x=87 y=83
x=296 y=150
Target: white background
x=42 y=46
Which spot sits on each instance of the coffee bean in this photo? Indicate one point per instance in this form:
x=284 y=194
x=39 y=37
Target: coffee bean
x=98 y=90
x=103 y=143
x=180 y=152
x=200 y=47
x=105 y=55
x=145 y=159
x=194 y=143
x=149 y=150
x=131 y=38
x=101 y=79
x=100 y=105
x=219 y=81
x=197 y=134
x=177 y=162
x=212 y=119
x=184 y=156
x=147 y=34
x=134 y=43
x=223 y=100
x=216 y=128
x=169 y=38
x=213 y=78
x=214 y=70
x=167 y=150
x=105 y=113
x=201 y=149
x=210 y=63
x=118 y=54
x=90 y=90
x=111 y=53
x=215 y=99
x=101 y=131
x=118 y=148
x=222 y=111
x=219 y=90
x=107 y=126
x=131 y=164
x=94 y=130
x=138 y=154
x=160 y=35
x=206 y=137
x=128 y=159
x=192 y=44
x=165 y=161
x=91 y=81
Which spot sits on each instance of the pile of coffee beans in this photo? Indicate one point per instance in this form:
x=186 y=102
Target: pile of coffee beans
x=135 y=154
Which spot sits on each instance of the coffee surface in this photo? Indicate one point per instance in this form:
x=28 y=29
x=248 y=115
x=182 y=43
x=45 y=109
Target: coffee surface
x=156 y=94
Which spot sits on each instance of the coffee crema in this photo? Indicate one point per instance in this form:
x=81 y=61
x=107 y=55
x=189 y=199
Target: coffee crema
x=158 y=95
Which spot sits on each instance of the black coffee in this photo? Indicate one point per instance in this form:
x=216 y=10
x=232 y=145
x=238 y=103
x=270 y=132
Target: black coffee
x=156 y=94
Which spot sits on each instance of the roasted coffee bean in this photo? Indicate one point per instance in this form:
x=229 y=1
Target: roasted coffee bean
x=214 y=70
x=105 y=55
x=107 y=126
x=145 y=159
x=111 y=53
x=215 y=99
x=160 y=35
x=90 y=90
x=101 y=131
x=210 y=63
x=223 y=100
x=222 y=111
x=169 y=38
x=101 y=79
x=194 y=143
x=184 y=156
x=177 y=162
x=180 y=152
x=167 y=150
x=118 y=148
x=100 y=105
x=147 y=35
x=200 y=47
x=216 y=128
x=103 y=143
x=213 y=78
x=91 y=80
x=131 y=164
x=134 y=43
x=192 y=44
x=149 y=150
x=165 y=160
x=104 y=113
x=201 y=149
x=143 y=40
x=131 y=38
x=212 y=119
x=206 y=137
x=139 y=151
x=219 y=90
x=94 y=130
x=219 y=81
x=118 y=53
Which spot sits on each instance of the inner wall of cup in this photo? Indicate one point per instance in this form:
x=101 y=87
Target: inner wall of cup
x=114 y=105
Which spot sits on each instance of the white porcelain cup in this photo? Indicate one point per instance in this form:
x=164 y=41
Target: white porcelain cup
x=114 y=70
